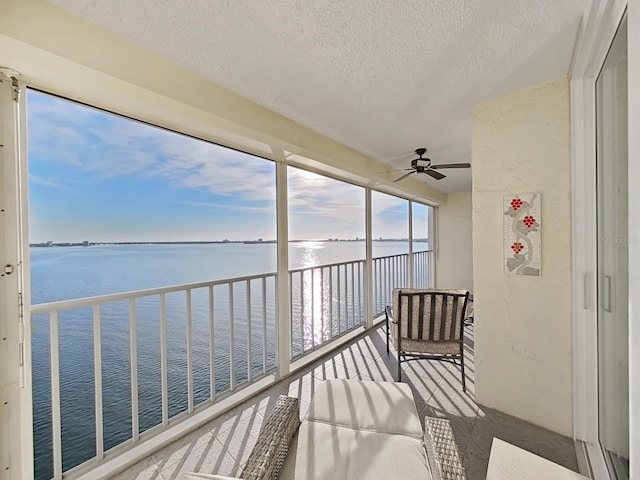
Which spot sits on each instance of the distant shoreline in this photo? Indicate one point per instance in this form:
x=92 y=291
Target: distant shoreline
x=207 y=242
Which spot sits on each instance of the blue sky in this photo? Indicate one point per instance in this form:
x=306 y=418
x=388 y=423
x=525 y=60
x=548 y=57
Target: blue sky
x=100 y=177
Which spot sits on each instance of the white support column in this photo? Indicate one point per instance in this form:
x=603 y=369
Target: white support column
x=410 y=263
x=282 y=278
x=368 y=258
x=432 y=216
x=16 y=418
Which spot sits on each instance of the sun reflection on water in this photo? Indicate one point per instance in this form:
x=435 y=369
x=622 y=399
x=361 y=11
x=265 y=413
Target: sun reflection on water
x=326 y=301
x=314 y=301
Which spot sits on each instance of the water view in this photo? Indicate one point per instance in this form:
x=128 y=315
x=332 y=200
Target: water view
x=63 y=273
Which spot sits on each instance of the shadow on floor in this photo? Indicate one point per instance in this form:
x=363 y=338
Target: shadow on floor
x=223 y=445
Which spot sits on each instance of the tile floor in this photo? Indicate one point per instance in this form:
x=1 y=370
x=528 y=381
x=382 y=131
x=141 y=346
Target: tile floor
x=223 y=445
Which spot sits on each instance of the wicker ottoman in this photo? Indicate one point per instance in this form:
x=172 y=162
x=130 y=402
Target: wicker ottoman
x=353 y=430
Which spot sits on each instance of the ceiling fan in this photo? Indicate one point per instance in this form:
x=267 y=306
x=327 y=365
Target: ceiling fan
x=423 y=165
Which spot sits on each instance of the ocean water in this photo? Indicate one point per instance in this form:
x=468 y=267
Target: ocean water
x=61 y=273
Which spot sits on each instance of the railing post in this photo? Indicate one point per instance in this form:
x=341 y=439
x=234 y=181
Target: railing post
x=133 y=362
x=56 y=423
x=189 y=299
x=282 y=278
x=410 y=263
x=368 y=260
x=97 y=375
x=164 y=370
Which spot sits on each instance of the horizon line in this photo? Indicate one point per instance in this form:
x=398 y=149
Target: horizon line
x=187 y=242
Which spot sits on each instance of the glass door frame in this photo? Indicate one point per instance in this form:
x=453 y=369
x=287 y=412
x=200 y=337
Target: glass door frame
x=613 y=262
x=600 y=25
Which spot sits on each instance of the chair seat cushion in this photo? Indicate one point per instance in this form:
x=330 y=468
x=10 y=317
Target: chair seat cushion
x=384 y=407
x=430 y=347
x=332 y=452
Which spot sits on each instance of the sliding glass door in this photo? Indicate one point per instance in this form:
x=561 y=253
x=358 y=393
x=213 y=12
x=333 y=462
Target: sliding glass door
x=613 y=257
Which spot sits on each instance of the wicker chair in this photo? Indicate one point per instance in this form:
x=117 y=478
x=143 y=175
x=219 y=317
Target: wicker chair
x=427 y=324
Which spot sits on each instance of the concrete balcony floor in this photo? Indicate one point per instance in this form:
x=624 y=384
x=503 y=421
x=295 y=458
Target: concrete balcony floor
x=223 y=445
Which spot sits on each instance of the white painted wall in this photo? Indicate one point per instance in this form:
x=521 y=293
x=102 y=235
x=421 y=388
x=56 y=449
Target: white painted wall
x=454 y=261
x=523 y=356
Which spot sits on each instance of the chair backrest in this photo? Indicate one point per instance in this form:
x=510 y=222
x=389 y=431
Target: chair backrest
x=430 y=314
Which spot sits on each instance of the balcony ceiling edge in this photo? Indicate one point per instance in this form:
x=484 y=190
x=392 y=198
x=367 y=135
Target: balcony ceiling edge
x=69 y=56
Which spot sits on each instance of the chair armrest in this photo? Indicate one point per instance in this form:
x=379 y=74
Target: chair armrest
x=387 y=311
x=206 y=476
x=271 y=449
x=442 y=450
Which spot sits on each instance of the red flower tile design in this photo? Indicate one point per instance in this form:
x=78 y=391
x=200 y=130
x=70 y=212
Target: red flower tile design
x=516 y=203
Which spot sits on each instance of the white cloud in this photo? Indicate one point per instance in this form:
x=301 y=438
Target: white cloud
x=45 y=182
x=239 y=208
x=110 y=146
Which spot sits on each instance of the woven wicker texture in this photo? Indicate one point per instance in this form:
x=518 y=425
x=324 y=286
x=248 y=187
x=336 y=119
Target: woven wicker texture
x=427 y=347
x=271 y=449
x=442 y=450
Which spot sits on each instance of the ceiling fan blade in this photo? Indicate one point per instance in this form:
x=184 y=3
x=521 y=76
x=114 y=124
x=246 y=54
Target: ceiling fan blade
x=451 y=165
x=399 y=170
x=397 y=157
x=405 y=175
x=434 y=174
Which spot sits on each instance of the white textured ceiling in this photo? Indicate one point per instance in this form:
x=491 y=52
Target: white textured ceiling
x=381 y=76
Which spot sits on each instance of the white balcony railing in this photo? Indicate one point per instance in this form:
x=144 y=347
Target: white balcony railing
x=155 y=356
x=422 y=269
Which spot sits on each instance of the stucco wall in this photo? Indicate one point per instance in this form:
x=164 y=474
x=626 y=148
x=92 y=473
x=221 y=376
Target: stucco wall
x=454 y=262
x=523 y=333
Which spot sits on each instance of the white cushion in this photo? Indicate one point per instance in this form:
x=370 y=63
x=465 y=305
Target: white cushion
x=385 y=407
x=507 y=462
x=330 y=452
x=289 y=467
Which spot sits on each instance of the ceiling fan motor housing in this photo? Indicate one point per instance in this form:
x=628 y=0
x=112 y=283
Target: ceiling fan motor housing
x=421 y=163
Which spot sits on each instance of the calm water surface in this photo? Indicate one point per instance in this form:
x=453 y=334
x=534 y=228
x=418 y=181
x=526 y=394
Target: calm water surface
x=61 y=273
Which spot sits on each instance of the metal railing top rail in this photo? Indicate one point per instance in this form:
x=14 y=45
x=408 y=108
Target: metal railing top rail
x=326 y=265
x=114 y=297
